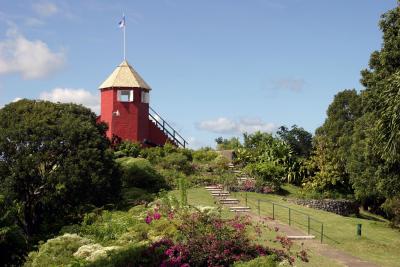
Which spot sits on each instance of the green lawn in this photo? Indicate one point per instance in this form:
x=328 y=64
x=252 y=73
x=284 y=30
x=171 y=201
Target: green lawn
x=379 y=243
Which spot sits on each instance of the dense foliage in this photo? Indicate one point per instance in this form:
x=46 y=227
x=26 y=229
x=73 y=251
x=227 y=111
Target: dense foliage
x=271 y=159
x=298 y=139
x=54 y=163
x=138 y=172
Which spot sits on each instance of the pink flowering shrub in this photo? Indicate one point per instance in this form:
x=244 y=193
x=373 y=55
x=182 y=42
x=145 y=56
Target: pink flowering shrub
x=208 y=240
x=249 y=185
x=205 y=239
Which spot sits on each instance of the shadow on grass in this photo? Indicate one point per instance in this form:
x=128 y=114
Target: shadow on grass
x=283 y=192
x=370 y=217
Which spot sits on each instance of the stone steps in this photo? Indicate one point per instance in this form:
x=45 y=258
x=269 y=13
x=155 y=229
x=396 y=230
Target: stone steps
x=239 y=209
x=229 y=201
x=224 y=194
x=214 y=187
x=245 y=178
x=300 y=237
x=219 y=192
x=223 y=197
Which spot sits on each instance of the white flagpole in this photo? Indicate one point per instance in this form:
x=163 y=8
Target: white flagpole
x=124 y=37
x=124 y=45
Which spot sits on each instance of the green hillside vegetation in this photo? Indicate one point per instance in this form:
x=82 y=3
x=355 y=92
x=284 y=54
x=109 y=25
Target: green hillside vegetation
x=69 y=196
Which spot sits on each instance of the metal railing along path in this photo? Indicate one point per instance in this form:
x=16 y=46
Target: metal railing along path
x=292 y=216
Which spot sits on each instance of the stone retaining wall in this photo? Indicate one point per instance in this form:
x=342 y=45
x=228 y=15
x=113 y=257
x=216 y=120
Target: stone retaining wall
x=341 y=207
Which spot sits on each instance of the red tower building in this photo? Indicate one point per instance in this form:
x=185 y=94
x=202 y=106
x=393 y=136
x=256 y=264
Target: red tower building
x=125 y=98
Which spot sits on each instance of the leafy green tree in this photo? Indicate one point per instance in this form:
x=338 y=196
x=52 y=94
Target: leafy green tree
x=385 y=62
x=375 y=151
x=299 y=140
x=54 y=161
x=364 y=163
x=13 y=243
x=226 y=144
x=333 y=140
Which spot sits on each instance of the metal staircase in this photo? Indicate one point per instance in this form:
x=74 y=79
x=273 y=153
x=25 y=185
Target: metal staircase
x=167 y=129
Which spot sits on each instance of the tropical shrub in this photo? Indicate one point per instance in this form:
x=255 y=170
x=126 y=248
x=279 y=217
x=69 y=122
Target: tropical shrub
x=204 y=155
x=268 y=176
x=177 y=161
x=152 y=154
x=56 y=251
x=220 y=164
x=138 y=172
x=127 y=149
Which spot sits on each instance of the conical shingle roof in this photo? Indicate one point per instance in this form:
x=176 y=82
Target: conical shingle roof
x=124 y=76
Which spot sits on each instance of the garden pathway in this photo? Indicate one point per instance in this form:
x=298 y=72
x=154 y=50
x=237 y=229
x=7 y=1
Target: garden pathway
x=314 y=245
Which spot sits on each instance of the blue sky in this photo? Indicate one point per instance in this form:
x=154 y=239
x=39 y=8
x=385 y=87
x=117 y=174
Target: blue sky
x=217 y=67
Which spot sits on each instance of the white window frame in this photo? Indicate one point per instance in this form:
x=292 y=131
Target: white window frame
x=128 y=93
x=145 y=97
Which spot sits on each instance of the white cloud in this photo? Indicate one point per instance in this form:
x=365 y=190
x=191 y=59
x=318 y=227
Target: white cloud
x=194 y=143
x=291 y=84
x=33 y=22
x=70 y=95
x=32 y=59
x=45 y=9
x=227 y=126
x=219 y=125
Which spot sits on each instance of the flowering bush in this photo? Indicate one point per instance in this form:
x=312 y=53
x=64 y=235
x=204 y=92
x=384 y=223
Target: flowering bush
x=207 y=240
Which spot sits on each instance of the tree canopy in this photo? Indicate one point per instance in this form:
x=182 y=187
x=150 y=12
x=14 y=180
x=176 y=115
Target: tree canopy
x=54 y=161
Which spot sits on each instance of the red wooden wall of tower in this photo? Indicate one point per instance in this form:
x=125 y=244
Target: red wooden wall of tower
x=128 y=120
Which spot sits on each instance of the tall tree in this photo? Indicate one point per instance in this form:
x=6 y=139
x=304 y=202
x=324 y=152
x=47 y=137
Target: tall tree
x=299 y=140
x=54 y=161
x=333 y=141
x=380 y=158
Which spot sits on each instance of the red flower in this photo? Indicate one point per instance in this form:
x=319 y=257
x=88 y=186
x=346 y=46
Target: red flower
x=148 y=219
x=156 y=216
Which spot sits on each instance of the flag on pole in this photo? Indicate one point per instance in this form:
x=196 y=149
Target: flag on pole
x=122 y=24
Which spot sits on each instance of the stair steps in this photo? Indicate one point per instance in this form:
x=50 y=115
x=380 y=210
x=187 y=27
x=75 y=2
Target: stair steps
x=220 y=194
x=213 y=187
x=300 y=237
x=229 y=201
x=245 y=178
x=239 y=209
x=217 y=190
